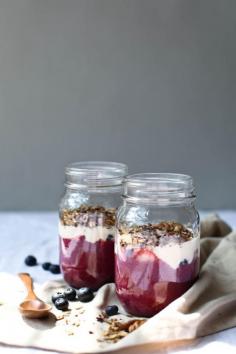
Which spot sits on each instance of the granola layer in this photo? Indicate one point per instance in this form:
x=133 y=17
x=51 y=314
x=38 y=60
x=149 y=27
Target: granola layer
x=89 y=216
x=91 y=222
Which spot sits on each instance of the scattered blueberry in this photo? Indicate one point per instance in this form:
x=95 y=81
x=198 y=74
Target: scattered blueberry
x=184 y=262
x=46 y=265
x=57 y=296
x=131 y=251
x=30 y=261
x=111 y=310
x=110 y=237
x=85 y=294
x=61 y=304
x=54 y=268
x=70 y=294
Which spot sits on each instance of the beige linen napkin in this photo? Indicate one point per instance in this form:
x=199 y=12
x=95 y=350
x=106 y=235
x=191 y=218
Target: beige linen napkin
x=208 y=307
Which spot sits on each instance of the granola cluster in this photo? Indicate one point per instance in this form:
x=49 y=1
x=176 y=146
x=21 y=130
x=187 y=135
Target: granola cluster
x=151 y=234
x=90 y=216
x=118 y=329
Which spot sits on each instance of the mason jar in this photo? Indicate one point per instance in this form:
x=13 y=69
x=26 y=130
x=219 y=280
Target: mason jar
x=157 y=242
x=87 y=222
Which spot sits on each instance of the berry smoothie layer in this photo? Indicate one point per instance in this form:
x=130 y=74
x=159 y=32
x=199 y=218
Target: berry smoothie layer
x=87 y=246
x=155 y=264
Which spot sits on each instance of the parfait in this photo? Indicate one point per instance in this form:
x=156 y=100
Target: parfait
x=87 y=222
x=157 y=242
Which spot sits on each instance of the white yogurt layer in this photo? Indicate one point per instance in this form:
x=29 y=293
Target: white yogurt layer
x=91 y=234
x=172 y=253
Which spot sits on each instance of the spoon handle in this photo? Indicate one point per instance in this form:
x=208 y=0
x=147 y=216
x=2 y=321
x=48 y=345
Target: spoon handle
x=28 y=281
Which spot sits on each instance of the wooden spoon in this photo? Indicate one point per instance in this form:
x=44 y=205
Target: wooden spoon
x=32 y=306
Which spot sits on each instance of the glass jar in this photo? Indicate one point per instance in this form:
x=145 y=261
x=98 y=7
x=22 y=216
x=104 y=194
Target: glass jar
x=87 y=222
x=157 y=242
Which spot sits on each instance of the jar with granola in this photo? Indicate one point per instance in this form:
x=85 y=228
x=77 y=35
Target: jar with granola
x=157 y=243
x=87 y=222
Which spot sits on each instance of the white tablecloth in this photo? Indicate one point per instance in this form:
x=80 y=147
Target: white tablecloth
x=36 y=233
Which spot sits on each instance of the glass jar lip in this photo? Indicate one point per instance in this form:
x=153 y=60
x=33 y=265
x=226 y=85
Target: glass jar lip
x=95 y=174
x=159 y=179
x=159 y=187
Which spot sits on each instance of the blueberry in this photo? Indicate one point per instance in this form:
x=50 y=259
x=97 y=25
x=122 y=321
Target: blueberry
x=184 y=262
x=54 y=268
x=129 y=252
x=110 y=237
x=30 y=261
x=85 y=294
x=56 y=296
x=111 y=310
x=46 y=265
x=61 y=304
x=70 y=294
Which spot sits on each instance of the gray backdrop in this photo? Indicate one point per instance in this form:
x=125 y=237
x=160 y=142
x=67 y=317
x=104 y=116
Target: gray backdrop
x=149 y=83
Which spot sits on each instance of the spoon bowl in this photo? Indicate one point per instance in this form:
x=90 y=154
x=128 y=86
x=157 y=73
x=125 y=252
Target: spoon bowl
x=32 y=307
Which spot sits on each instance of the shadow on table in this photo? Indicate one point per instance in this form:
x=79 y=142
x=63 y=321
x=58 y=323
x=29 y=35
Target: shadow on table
x=43 y=323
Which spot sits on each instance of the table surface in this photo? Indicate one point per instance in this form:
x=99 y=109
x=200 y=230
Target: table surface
x=23 y=233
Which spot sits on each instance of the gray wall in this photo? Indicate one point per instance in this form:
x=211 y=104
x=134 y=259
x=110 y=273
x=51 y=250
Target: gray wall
x=150 y=83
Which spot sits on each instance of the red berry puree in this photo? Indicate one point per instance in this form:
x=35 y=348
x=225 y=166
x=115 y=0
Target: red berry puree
x=145 y=283
x=85 y=263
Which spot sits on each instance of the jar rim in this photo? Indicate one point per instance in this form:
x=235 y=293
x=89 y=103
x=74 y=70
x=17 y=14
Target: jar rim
x=95 y=173
x=159 y=187
x=160 y=178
